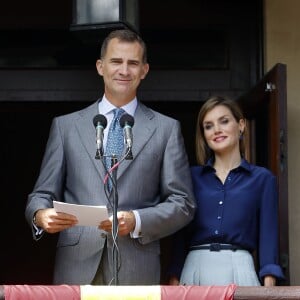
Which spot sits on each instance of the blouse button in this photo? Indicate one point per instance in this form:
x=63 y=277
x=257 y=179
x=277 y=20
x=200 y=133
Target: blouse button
x=219 y=217
x=221 y=202
x=216 y=231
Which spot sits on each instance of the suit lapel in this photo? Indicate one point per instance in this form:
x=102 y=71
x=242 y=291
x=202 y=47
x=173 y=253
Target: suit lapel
x=87 y=134
x=143 y=129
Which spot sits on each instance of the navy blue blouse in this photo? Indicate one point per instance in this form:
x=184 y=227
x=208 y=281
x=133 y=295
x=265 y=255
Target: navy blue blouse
x=243 y=211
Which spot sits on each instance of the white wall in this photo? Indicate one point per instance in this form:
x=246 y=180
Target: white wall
x=282 y=45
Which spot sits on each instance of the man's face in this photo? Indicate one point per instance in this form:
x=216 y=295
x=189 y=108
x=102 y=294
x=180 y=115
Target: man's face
x=122 y=70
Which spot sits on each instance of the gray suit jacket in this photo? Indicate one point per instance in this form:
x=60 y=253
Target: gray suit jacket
x=156 y=183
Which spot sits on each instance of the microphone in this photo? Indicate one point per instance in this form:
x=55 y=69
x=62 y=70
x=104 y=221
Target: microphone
x=100 y=123
x=127 y=122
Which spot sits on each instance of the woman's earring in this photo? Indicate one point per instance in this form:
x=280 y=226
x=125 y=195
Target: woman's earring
x=241 y=135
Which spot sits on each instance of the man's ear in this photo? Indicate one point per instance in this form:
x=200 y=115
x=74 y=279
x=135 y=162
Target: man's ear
x=99 y=67
x=145 y=71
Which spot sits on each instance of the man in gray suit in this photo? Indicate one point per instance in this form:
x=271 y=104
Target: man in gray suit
x=154 y=188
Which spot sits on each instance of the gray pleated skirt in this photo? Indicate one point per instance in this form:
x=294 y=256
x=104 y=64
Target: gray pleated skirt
x=205 y=267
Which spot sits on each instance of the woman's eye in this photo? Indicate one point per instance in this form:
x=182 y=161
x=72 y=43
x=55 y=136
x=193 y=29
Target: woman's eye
x=207 y=126
x=224 y=121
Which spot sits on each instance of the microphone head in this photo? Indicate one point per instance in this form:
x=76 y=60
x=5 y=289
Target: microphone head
x=100 y=120
x=126 y=119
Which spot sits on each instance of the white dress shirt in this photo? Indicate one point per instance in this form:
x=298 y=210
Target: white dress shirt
x=106 y=109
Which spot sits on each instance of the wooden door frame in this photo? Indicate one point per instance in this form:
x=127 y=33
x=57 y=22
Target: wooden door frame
x=269 y=100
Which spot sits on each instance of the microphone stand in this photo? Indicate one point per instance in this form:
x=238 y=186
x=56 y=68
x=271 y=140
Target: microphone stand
x=115 y=203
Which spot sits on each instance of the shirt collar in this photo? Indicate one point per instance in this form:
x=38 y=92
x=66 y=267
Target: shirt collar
x=105 y=107
x=245 y=165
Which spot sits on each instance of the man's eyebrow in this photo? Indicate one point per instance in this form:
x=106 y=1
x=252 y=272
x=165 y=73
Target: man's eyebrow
x=115 y=59
x=134 y=61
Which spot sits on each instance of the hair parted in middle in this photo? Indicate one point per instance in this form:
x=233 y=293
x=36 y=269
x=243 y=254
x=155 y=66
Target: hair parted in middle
x=203 y=152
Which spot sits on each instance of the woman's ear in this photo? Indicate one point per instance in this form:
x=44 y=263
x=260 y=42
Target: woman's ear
x=242 y=125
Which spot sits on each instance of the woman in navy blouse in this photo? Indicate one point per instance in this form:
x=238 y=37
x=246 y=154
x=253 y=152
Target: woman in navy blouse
x=236 y=208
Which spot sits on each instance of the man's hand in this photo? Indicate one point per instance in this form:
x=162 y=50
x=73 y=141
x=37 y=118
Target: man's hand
x=126 y=223
x=52 y=221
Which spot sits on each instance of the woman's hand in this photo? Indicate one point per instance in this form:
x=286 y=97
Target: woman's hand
x=269 y=280
x=173 y=280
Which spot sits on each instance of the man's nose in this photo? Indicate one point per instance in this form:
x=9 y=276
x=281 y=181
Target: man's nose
x=124 y=69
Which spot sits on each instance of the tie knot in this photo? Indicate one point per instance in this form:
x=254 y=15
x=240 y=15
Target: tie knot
x=118 y=112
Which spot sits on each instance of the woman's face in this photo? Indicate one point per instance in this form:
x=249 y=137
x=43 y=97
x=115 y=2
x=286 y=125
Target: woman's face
x=221 y=130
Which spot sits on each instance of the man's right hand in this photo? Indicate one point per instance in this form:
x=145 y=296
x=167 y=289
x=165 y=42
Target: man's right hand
x=51 y=221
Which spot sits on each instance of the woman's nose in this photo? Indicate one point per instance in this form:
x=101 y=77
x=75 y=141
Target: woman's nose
x=217 y=128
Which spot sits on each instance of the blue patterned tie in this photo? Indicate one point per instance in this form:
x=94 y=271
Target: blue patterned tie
x=115 y=138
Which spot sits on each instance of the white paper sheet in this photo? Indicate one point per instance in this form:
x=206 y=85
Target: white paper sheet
x=87 y=215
